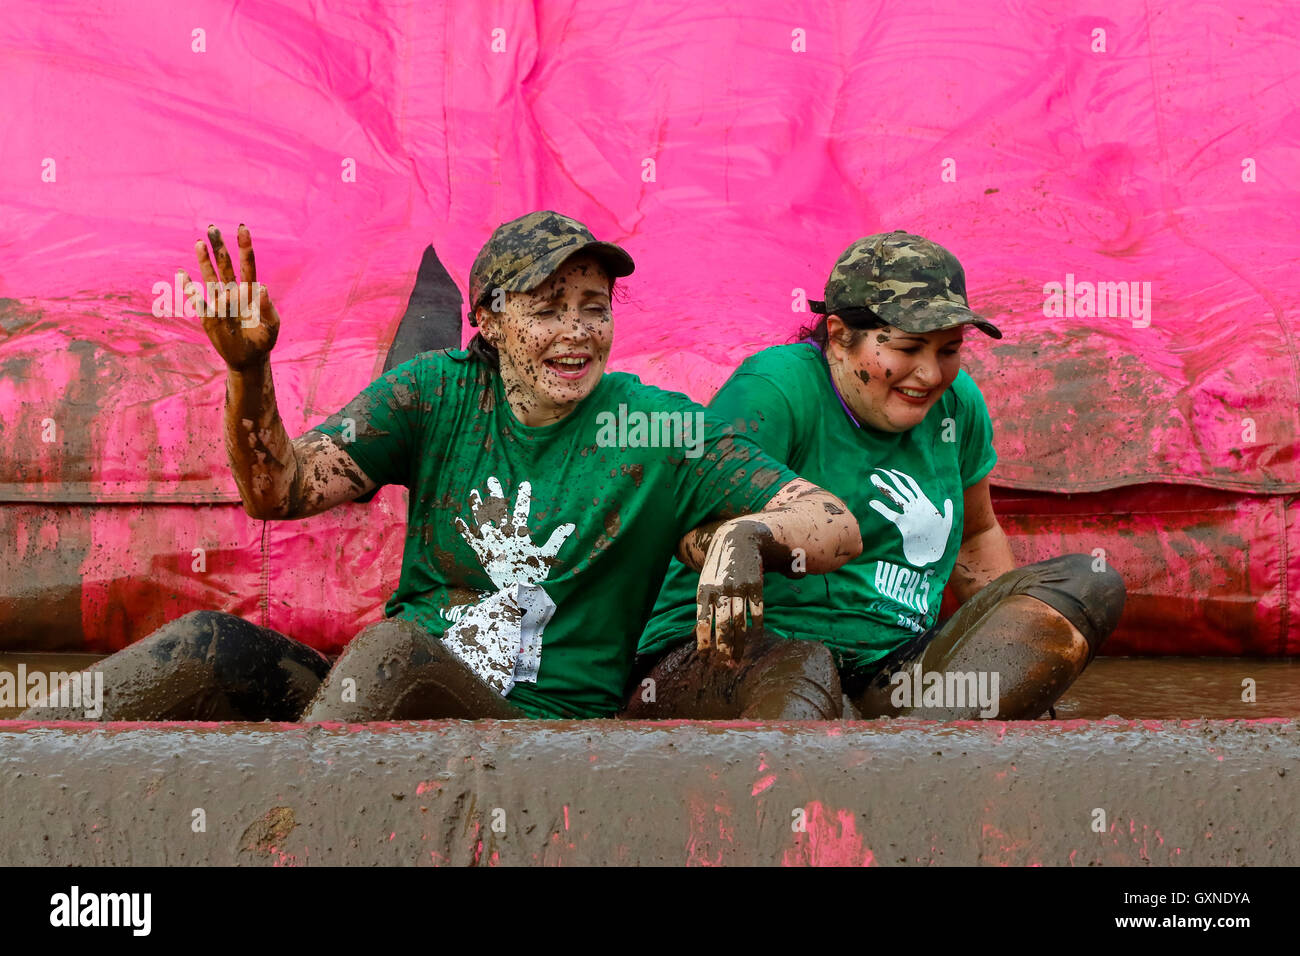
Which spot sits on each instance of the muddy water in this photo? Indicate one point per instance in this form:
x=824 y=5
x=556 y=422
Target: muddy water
x=1158 y=688
x=1185 y=688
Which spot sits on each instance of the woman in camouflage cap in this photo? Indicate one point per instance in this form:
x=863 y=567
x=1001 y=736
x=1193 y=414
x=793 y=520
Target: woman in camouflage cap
x=873 y=405
x=547 y=497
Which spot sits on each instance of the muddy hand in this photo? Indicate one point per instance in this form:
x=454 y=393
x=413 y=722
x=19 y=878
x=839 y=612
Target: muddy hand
x=237 y=314
x=501 y=538
x=731 y=588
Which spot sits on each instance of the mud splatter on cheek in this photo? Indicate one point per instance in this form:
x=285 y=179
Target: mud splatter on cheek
x=889 y=373
x=865 y=376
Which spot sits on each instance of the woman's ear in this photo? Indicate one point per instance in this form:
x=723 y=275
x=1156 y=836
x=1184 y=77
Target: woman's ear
x=836 y=334
x=487 y=324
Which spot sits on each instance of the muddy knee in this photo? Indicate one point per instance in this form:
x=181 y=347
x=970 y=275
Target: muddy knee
x=208 y=665
x=190 y=635
x=389 y=637
x=395 y=670
x=791 y=680
x=1086 y=591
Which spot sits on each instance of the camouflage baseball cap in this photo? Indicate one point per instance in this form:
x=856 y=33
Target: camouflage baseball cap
x=909 y=282
x=525 y=252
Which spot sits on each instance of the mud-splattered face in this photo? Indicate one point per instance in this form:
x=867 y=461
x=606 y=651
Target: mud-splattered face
x=891 y=378
x=553 y=341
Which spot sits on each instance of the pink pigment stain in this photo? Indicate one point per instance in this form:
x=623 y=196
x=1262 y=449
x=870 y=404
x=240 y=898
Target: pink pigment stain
x=709 y=837
x=827 y=841
x=1008 y=846
x=762 y=784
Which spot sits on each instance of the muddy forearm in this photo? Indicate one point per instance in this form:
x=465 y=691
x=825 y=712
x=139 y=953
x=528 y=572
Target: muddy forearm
x=261 y=453
x=815 y=534
x=983 y=558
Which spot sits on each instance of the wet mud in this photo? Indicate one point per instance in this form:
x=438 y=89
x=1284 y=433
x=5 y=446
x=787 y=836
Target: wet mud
x=604 y=792
x=1184 y=688
x=1131 y=688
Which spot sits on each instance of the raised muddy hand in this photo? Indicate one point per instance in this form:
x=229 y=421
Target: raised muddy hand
x=238 y=315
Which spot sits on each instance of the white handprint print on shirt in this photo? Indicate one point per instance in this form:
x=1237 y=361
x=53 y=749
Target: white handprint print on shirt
x=504 y=547
x=500 y=638
x=925 y=531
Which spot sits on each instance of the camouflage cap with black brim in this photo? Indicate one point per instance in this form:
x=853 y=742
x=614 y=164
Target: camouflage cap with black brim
x=906 y=281
x=525 y=252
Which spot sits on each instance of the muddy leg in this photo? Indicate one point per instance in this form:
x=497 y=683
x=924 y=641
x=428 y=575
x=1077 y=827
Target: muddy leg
x=206 y=665
x=1008 y=641
x=775 y=679
x=396 y=670
x=789 y=680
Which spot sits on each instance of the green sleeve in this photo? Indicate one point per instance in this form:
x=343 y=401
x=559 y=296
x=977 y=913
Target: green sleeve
x=723 y=474
x=385 y=423
x=977 y=454
x=757 y=408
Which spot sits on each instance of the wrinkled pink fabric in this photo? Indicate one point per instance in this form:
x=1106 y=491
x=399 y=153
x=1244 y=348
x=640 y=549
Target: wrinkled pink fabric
x=1116 y=166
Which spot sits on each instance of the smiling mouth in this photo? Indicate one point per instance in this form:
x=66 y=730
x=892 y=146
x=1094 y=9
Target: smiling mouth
x=569 y=366
x=914 y=395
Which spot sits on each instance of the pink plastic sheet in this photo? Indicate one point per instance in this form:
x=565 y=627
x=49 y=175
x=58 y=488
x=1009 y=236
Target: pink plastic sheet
x=734 y=149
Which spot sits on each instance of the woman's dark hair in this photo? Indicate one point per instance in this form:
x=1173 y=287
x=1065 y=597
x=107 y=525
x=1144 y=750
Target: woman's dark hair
x=859 y=322
x=480 y=350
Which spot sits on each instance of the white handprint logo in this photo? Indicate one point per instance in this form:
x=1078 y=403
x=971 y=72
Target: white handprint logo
x=925 y=531
x=501 y=539
x=500 y=637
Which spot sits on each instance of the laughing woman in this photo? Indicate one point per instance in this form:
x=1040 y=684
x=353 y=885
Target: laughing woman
x=534 y=545
x=873 y=405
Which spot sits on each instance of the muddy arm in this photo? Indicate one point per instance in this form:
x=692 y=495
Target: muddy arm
x=802 y=530
x=985 y=553
x=278 y=478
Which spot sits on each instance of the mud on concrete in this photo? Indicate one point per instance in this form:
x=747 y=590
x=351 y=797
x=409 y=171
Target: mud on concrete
x=607 y=792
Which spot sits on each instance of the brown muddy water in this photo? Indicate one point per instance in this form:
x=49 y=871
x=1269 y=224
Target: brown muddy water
x=1156 y=688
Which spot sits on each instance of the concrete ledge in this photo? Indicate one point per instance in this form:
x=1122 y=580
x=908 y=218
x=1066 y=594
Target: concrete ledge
x=597 y=792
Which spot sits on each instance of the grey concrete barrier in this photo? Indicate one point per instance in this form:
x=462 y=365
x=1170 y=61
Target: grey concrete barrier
x=606 y=792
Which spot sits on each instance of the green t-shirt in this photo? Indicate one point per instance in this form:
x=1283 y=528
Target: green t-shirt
x=783 y=398
x=614 y=487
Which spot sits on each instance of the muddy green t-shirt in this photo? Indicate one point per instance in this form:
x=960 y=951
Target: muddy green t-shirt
x=589 y=509
x=906 y=490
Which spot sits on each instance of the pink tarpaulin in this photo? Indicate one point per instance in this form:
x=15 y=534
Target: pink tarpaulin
x=734 y=149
